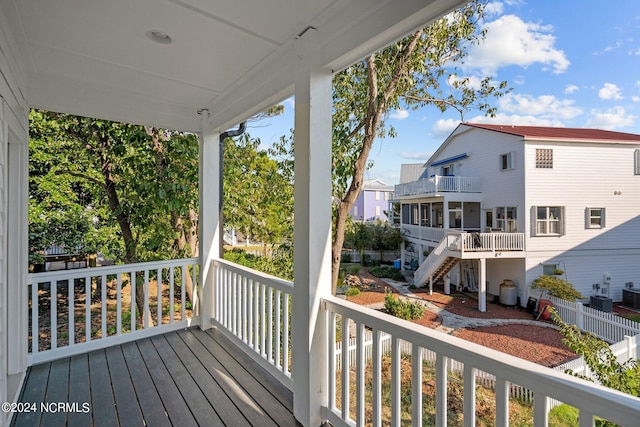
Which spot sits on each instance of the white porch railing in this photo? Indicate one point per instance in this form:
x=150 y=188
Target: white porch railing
x=61 y=306
x=254 y=309
x=440 y=184
x=492 y=242
x=545 y=383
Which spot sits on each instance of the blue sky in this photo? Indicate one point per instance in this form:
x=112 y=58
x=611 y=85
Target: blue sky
x=570 y=63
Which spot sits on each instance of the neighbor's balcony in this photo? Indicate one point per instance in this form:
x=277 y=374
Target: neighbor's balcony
x=414 y=381
x=439 y=184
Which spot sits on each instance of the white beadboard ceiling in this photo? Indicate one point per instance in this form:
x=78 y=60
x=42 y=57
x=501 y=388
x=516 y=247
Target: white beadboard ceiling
x=233 y=57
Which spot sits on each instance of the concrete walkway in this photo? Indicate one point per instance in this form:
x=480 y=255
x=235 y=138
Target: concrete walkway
x=450 y=321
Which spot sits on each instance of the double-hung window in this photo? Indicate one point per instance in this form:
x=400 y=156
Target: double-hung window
x=549 y=220
x=507 y=219
x=594 y=218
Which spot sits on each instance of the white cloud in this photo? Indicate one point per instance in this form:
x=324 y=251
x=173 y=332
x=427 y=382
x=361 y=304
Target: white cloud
x=609 y=91
x=444 y=127
x=613 y=118
x=571 y=89
x=494 y=8
x=415 y=155
x=545 y=106
x=511 y=41
x=399 y=114
x=635 y=98
x=518 y=119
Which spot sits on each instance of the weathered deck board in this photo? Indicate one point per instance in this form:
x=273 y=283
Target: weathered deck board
x=182 y=378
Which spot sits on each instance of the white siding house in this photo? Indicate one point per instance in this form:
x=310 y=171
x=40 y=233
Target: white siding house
x=571 y=196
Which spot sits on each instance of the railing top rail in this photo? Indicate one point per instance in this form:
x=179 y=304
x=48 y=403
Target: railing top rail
x=276 y=282
x=608 y=403
x=111 y=269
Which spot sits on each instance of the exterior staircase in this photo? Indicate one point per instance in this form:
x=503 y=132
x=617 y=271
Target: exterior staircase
x=440 y=261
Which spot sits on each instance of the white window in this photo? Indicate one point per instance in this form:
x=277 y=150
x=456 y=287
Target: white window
x=550 y=269
x=355 y=211
x=549 y=220
x=386 y=195
x=447 y=170
x=594 y=218
x=636 y=162
x=377 y=195
x=506 y=161
x=544 y=158
x=507 y=219
x=377 y=211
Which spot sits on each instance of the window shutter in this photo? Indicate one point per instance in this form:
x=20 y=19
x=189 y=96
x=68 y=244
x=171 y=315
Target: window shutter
x=562 y=220
x=534 y=220
x=636 y=162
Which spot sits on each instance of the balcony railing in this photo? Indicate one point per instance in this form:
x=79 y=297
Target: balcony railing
x=348 y=388
x=254 y=309
x=76 y=311
x=439 y=184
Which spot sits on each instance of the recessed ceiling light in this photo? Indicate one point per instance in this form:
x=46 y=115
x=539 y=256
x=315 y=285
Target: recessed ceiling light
x=158 y=36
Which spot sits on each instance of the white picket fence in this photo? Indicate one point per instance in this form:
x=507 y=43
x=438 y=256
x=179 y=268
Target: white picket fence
x=606 y=326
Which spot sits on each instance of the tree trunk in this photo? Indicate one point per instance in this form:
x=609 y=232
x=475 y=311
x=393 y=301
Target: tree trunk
x=130 y=243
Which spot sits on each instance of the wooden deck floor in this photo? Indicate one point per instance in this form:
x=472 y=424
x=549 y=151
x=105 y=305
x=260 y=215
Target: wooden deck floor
x=184 y=378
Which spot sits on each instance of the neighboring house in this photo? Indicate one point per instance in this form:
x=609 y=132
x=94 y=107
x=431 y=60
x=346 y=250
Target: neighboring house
x=372 y=202
x=515 y=202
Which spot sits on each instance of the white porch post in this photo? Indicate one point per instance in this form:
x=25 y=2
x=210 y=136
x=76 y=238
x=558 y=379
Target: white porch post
x=312 y=230
x=482 y=285
x=209 y=217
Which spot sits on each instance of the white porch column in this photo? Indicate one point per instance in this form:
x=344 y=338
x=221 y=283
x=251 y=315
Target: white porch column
x=482 y=284
x=209 y=217
x=312 y=230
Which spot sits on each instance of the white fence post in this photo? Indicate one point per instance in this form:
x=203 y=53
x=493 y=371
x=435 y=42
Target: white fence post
x=579 y=315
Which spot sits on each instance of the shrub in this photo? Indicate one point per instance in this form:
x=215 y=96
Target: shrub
x=354 y=269
x=387 y=271
x=352 y=292
x=346 y=258
x=403 y=309
x=559 y=288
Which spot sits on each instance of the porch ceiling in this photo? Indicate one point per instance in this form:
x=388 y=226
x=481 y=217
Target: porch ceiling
x=233 y=57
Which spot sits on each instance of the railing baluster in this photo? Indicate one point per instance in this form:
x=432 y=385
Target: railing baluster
x=540 y=410
x=256 y=316
x=331 y=383
x=287 y=334
x=469 y=396
x=263 y=320
x=278 y=338
x=87 y=308
x=395 y=382
x=183 y=292
x=269 y=324
x=159 y=297
x=416 y=385
x=146 y=314
x=132 y=283
x=377 y=378
x=35 y=316
x=103 y=297
x=118 y=304
x=344 y=355
x=53 y=292
x=441 y=390
x=71 y=321
x=171 y=293
x=360 y=370
x=502 y=401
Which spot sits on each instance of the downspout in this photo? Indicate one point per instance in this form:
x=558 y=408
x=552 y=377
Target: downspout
x=227 y=134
